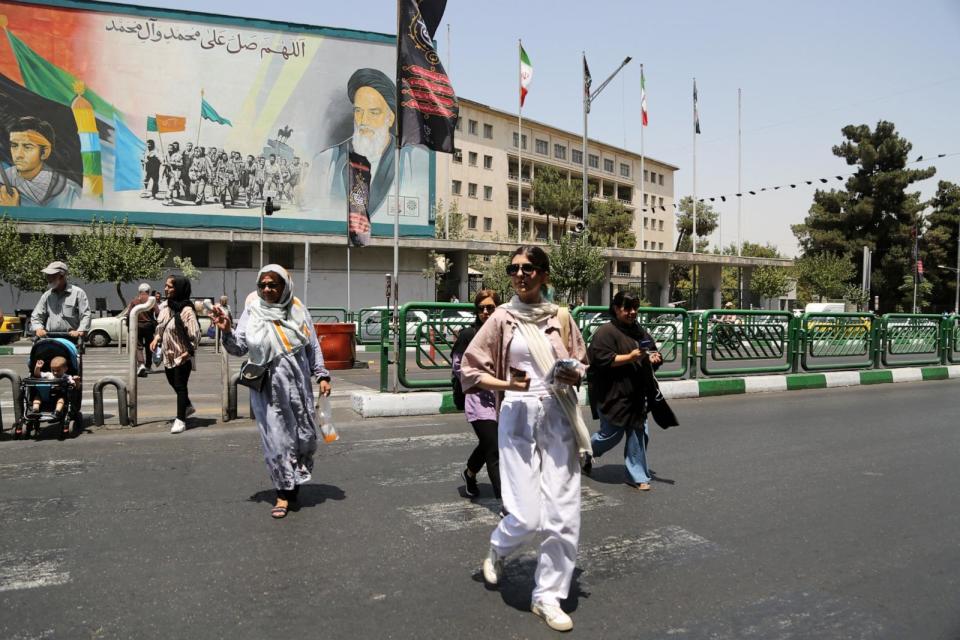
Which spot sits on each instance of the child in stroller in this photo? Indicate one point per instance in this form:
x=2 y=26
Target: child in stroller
x=52 y=393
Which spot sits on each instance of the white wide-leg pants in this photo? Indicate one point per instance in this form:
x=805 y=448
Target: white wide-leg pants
x=540 y=478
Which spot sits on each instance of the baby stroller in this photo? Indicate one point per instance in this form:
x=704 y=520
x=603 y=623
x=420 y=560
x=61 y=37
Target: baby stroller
x=70 y=420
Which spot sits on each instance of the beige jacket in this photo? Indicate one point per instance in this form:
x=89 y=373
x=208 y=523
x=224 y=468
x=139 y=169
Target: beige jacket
x=489 y=351
x=175 y=351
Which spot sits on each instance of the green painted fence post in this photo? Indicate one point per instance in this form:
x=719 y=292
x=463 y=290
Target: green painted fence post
x=384 y=351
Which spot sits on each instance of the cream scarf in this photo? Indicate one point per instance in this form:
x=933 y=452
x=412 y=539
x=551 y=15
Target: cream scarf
x=527 y=317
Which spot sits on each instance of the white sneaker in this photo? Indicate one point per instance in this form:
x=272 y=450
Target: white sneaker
x=554 y=616
x=142 y=371
x=179 y=426
x=190 y=410
x=492 y=567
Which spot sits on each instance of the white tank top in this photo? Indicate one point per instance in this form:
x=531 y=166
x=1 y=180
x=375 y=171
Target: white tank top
x=521 y=358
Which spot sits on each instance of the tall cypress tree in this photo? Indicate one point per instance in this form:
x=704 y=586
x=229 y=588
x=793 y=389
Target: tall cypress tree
x=940 y=245
x=874 y=210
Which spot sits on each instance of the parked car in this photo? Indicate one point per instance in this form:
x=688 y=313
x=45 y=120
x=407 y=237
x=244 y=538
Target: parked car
x=11 y=328
x=103 y=331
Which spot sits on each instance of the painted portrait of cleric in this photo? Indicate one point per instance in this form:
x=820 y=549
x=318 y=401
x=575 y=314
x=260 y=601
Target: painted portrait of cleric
x=30 y=181
x=373 y=96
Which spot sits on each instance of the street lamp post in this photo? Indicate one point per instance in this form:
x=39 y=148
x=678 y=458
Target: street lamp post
x=268 y=209
x=588 y=99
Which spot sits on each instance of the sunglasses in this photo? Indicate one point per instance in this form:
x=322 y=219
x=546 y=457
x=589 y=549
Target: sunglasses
x=630 y=307
x=527 y=268
x=268 y=285
x=489 y=308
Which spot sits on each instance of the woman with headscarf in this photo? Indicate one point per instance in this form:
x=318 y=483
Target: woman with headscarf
x=275 y=332
x=178 y=334
x=531 y=353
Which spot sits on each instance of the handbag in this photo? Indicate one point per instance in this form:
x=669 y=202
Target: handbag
x=253 y=376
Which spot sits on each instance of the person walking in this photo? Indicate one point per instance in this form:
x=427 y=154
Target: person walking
x=275 y=331
x=480 y=408
x=146 y=325
x=63 y=307
x=178 y=334
x=618 y=353
x=531 y=353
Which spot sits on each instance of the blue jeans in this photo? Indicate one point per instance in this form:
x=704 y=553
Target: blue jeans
x=634 y=453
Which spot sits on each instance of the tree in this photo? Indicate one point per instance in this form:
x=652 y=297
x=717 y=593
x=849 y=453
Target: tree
x=575 y=264
x=874 y=209
x=825 y=275
x=924 y=291
x=770 y=282
x=610 y=225
x=555 y=195
x=857 y=296
x=10 y=248
x=493 y=271
x=940 y=245
x=185 y=265
x=706 y=223
x=111 y=252
x=26 y=273
x=456 y=221
x=731 y=275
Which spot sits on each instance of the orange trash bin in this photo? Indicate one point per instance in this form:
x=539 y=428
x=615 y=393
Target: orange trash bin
x=338 y=343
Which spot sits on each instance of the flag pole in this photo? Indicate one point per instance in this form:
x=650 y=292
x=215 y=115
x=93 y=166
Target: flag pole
x=520 y=141
x=739 y=188
x=643 y=176
x=200 y=119
x=446 y=215
x=586 y=110
x=396 y=221
x=694 y=237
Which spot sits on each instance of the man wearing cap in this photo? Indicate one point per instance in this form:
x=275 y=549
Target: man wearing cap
x=374 y=99
x=63 y=308
x=146 y=325
x=29 y=182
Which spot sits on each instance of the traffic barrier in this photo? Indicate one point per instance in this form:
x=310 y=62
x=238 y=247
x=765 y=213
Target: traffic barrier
x=122 y=409
x=915 y=335
x=14 y=378
x=738 y=335
x=845 y=340
x=330 y=315
x=416 y=319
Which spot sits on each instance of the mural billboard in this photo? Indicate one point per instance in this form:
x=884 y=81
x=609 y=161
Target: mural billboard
x=189 y=120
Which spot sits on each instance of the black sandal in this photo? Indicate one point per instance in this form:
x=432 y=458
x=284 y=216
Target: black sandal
x=278 y=512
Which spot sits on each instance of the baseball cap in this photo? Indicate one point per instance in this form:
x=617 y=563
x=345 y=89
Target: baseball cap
x=144 y=288
x=56 y=267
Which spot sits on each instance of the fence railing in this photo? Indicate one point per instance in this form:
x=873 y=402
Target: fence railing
x=837 y=341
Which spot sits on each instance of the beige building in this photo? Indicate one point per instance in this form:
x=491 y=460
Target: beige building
x=483 y=178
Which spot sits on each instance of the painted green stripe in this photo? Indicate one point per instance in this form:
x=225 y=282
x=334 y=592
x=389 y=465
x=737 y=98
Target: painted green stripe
x=935 y=373
x=806 y=381
x=91 y=163
x=447 y=406
x=876 y=377
x=6 y=351
x=722 y=387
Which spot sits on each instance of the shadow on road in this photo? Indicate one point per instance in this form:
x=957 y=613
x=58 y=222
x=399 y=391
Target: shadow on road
x=617 y=474
x=311 y=495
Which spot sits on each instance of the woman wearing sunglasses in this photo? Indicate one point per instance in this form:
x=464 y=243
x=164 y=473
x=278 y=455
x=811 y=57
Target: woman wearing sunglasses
x=480 y=408
x=540 y=430
x=275 y=332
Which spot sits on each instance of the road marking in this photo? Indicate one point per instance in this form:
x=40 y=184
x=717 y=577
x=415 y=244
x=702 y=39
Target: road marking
x=454 y=516
x=32 y=509
x=32 y=570
x=43 y=469
x=429 y=474
x=414 y=442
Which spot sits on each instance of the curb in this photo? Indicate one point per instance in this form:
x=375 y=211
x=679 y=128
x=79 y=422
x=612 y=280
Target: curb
x=14 y=351
x=382 y=405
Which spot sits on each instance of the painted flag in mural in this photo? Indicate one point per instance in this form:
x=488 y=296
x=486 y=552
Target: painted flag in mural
x=128 y=150
x=428 y=105
x=358 y=201
x=16 y=103
x=587 y=81
x=166 y=124
x=207 y=112
x=696 y=109
x=90 y=154
x=643 y=98
x=526 y=74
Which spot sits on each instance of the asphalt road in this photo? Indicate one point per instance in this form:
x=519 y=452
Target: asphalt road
x=820 y=514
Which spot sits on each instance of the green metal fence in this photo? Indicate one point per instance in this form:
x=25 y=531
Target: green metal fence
x=330 y=314
x=836 y=341
x=951 y=340
x=911 y=339
x=368 y=322
x=429 y=327
x=738 y=336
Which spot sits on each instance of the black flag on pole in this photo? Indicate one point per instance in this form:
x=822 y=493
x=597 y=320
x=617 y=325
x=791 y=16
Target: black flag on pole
x=428 y=105
x=358 y=201
x=587 y=81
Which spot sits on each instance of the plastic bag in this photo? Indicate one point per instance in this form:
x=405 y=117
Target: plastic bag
x=325 y=417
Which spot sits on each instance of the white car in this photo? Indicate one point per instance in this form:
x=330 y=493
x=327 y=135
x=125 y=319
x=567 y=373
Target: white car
x=103 y=331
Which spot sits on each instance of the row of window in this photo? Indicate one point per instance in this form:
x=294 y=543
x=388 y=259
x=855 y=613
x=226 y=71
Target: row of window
x=576 y=156
x=652 y=224
x=456 y=188
x=652 y=200
x=472 y=158
x=473 y=128
x=653 y=246
x=472 y=223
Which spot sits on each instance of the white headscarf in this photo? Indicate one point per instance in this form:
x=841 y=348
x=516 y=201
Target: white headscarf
x=276 y=328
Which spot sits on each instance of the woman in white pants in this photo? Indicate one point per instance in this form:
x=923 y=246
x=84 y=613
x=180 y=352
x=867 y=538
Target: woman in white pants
x=541 y=431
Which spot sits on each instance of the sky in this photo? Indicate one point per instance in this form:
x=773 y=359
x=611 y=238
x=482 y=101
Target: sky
x=806 y=69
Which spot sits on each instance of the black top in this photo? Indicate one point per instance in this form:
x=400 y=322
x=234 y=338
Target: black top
x=619 y=392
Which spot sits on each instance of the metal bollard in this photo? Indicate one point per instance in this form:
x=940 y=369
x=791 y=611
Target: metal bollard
x=225 y=405
x=122 y=409
x=131 y=387
x=17 y=400
x=230 y=408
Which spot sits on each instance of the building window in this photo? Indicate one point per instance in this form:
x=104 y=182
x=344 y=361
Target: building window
x=645 y=196
x=239 y=256
x=488 y=131
x=455 y=187
x=559 y=152
x=515 y=136
x=608 y=165
x=646 y=174
x=471 y=190
x=487 y=193
x=457 y=156
x=646 y=220
x=459 y=125
x=199 y=253
x=645 y=243
x=576 y=156
x=472 y=222
x=473 y=127
x=488 y=162
x=594 y=161
x=542 y=147
x=624 y=170
x=653 y=177
x=472 y=158
x=278 y=254
x=661 y=246
x=660 y=225
x=661 y=179
x=488 y=224
x=661 y=203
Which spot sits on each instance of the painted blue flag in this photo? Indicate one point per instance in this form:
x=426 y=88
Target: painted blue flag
x=129 y=149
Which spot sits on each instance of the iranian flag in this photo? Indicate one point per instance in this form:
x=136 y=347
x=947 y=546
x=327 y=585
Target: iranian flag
x=643 y=98
x=526 y=74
